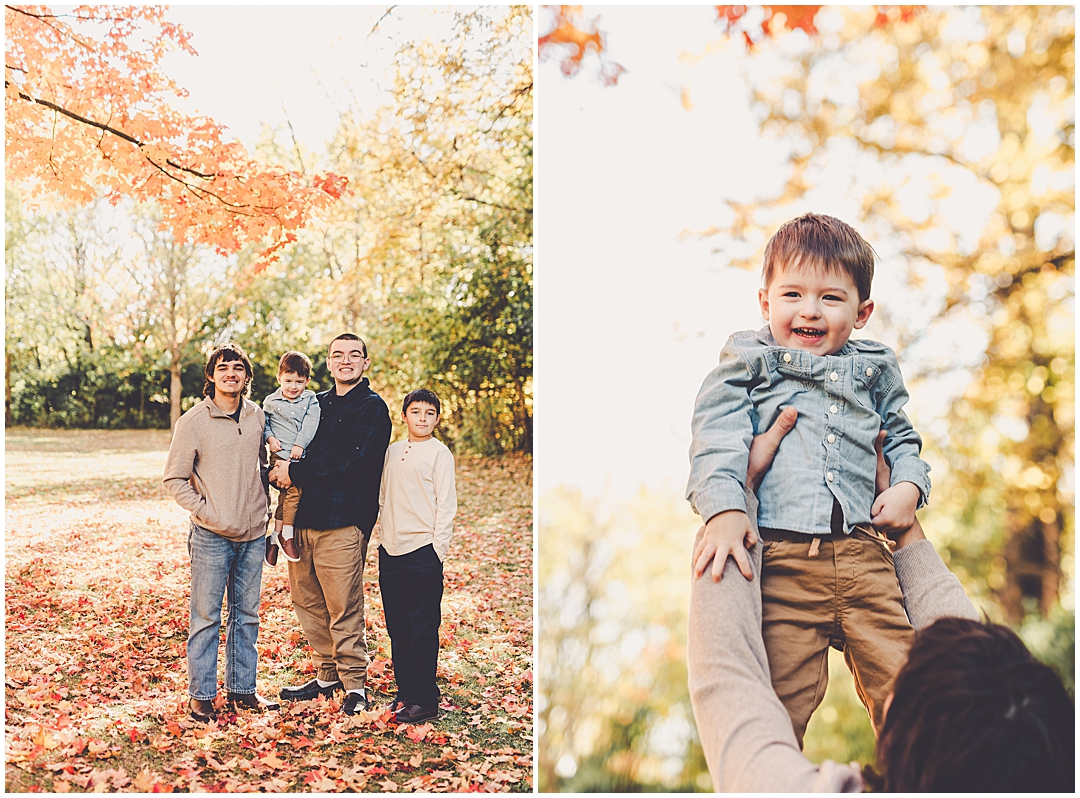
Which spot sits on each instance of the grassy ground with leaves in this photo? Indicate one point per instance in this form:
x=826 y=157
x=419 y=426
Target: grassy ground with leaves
x=96 y=625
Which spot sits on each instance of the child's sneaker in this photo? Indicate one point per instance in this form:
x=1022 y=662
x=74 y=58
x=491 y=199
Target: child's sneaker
x=289 y=549
x=271 y=549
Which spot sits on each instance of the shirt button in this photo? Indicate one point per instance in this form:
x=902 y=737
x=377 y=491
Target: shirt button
x=832 y=438
x=834 y=376
x=833 y=409
x=829 y=476
x=787 y=357
x=869 y=372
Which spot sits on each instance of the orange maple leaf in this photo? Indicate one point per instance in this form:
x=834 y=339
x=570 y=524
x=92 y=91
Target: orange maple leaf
x=571 y=38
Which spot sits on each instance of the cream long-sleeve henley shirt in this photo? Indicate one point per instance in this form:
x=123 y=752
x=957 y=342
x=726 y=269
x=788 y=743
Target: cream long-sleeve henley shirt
x=417 y=498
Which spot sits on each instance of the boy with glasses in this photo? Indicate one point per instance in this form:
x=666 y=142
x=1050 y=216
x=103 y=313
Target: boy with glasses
x=339 y=478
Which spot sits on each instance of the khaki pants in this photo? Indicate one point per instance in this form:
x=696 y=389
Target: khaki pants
x=847 y=597
x=327 y=586
x=288 y=500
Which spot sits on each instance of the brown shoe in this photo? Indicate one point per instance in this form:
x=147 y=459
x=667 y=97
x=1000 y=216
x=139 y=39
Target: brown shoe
x=252 y=701
x=271 y=550
x=289 y=549
x=202 y=709
x=414 y=714
x=398 y=704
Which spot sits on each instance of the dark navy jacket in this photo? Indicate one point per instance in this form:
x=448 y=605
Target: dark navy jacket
x=340 y=474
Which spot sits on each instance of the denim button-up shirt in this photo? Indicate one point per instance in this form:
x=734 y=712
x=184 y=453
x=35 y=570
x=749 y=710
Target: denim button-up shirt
x=292 y=421
x=843 y=401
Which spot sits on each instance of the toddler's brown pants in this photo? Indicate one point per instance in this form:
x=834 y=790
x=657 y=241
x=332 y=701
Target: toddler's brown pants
x=288 y=500
x=846 y=596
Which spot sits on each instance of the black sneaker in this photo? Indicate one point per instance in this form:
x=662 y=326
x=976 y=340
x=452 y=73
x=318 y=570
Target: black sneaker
x=308 y=691
x=353 y=703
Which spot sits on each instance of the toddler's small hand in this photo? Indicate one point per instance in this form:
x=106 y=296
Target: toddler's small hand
x=894 y=509
x=274 y=443
x=296 y=453
x=727 y=534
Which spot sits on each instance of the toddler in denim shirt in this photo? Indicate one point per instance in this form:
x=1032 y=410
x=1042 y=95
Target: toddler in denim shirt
x=292 y=419
x=827 y=575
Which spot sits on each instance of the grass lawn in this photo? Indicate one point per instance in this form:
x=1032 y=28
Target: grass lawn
x=96 y=626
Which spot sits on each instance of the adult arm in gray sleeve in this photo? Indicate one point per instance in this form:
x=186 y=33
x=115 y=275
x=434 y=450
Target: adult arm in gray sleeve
x=930 y=590
x=744 y=729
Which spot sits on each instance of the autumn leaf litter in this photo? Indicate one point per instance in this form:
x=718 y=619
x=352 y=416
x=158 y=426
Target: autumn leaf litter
x=96 y=625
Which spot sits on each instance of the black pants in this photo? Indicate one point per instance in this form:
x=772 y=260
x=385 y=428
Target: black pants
x=412 y=587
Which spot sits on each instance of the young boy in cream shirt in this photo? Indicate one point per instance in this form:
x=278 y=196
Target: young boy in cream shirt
x=417 y=503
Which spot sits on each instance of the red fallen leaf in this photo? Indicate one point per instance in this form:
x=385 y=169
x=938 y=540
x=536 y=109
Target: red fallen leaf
x=376 y=668
x=418 y=733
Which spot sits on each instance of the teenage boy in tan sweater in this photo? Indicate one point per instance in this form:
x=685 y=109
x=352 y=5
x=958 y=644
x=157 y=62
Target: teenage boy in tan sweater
x=215 y=470
x=417 y=503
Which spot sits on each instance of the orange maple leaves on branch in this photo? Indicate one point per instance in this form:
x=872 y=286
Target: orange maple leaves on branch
x=771 y=19
x=572 y=36
x=89 y=112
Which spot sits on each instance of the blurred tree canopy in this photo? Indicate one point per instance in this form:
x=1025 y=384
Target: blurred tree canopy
x=949 y=133
x=429 y=258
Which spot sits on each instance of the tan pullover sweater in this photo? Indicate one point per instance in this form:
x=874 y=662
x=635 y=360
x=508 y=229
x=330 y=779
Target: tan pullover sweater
x=215 y=470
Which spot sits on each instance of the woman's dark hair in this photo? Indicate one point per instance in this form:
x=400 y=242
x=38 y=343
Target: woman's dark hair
x=973 y=711
x=226 y=352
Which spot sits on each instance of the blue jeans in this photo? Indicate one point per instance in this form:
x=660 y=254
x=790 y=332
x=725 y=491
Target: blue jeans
x=220 y=566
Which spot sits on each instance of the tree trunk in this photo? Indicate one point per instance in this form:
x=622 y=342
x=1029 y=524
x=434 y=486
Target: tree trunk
x=524 y=418
x=7 y=389
x=174 y=391
x=1033 y=570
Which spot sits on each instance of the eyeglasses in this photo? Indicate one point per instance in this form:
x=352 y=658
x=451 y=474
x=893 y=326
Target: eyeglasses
x=354 y=357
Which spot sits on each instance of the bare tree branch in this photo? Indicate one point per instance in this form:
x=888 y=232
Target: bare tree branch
x=107 y=128
x=375 y=27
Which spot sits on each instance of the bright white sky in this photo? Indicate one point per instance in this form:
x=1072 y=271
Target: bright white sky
x=258 y=62
x=629 y=318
